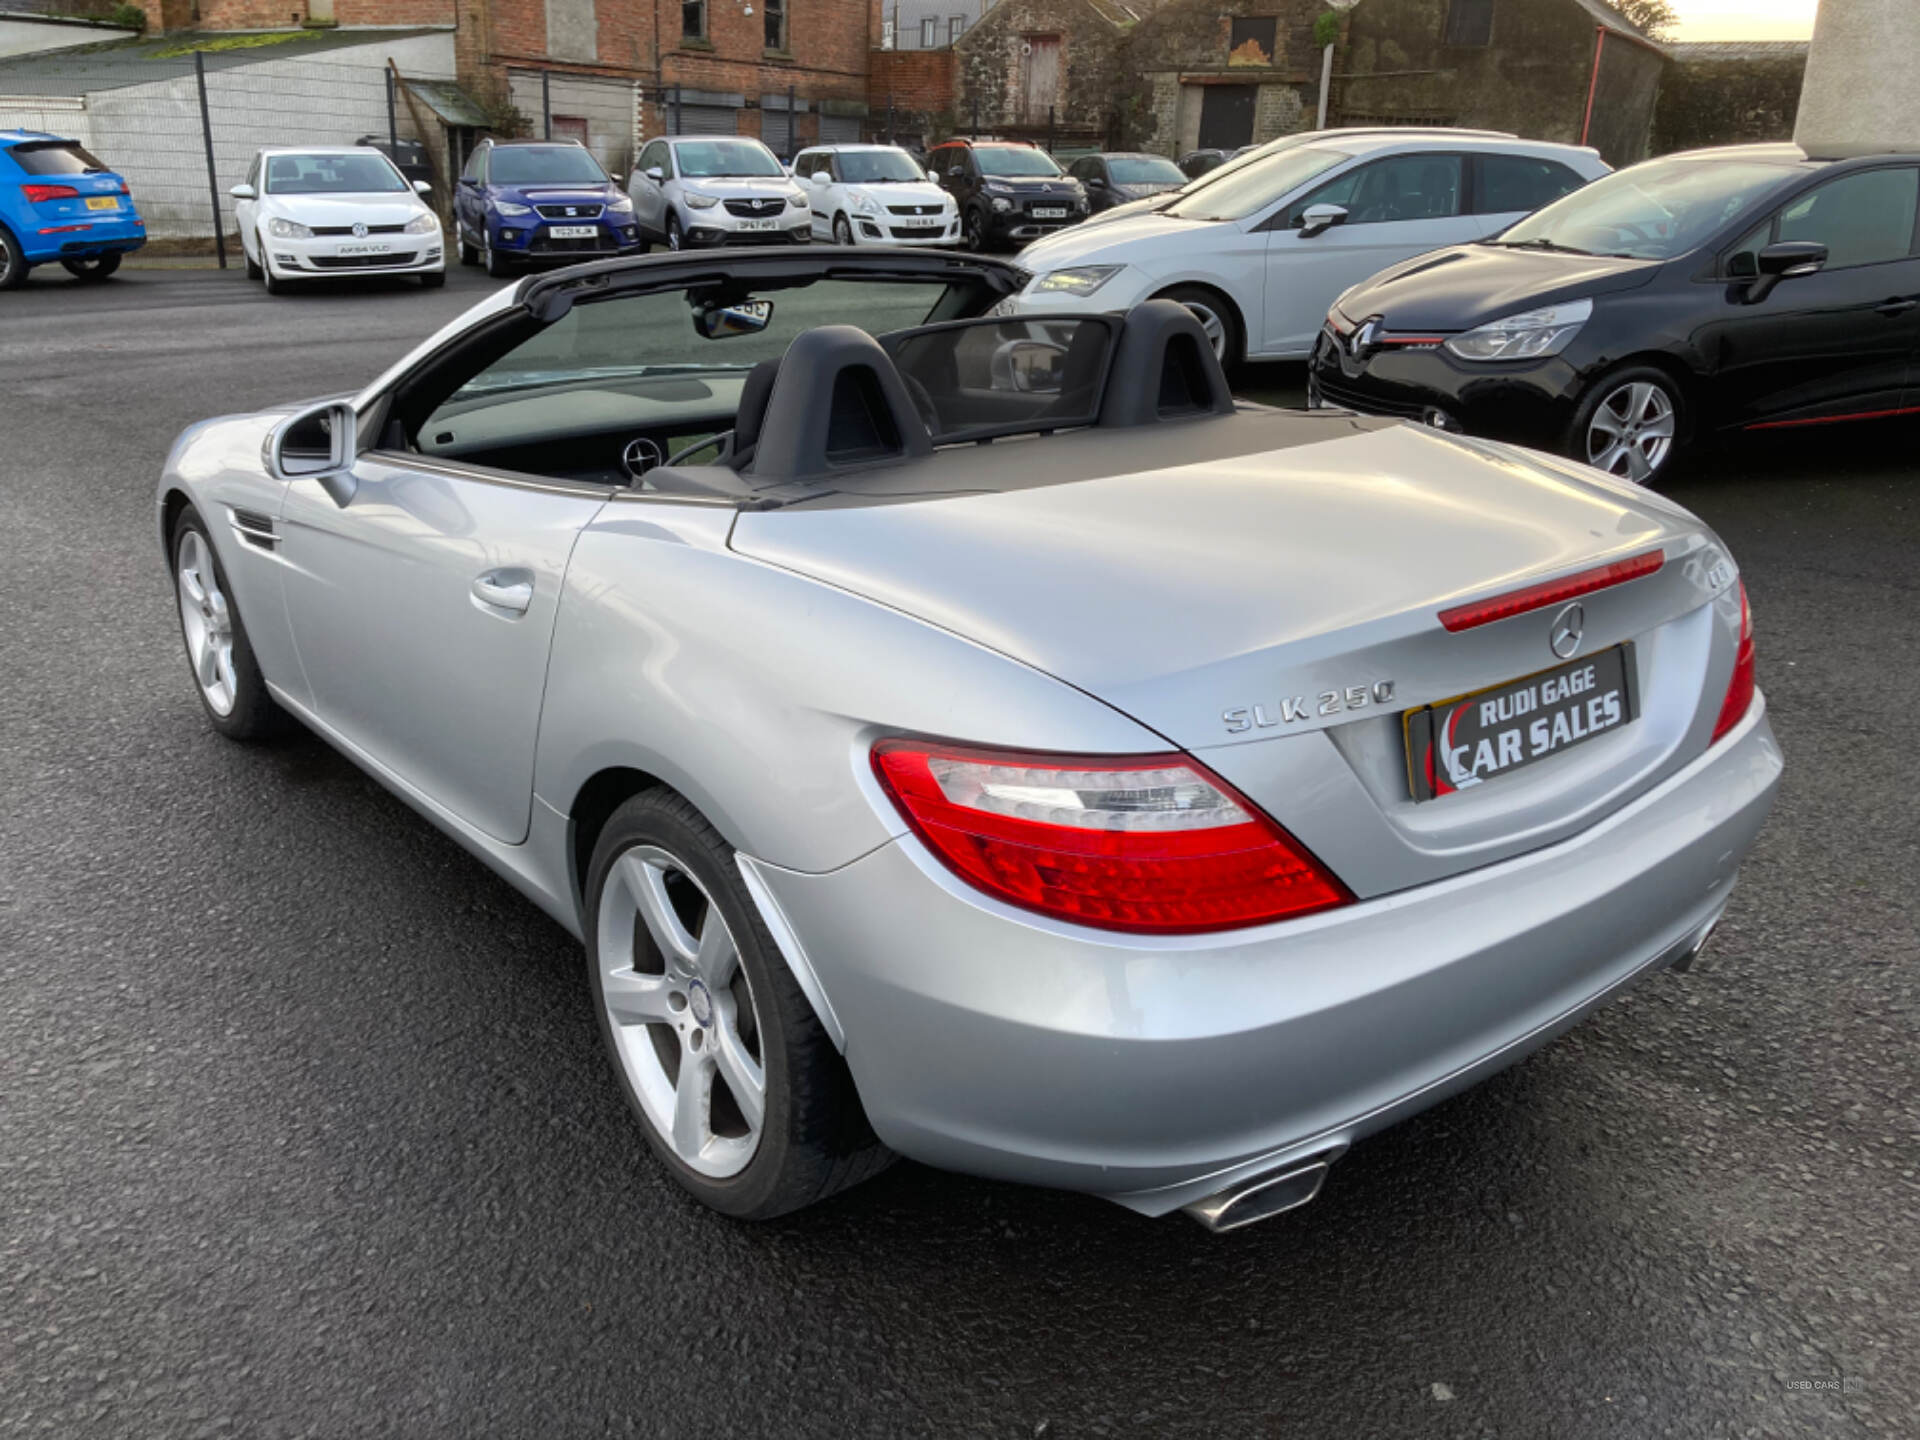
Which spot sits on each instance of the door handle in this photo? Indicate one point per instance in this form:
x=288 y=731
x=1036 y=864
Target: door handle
x=1891 y=308
x=509 y=590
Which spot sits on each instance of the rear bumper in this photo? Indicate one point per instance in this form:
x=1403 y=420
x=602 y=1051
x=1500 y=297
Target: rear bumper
x=1158 y=1071
x=71 y=240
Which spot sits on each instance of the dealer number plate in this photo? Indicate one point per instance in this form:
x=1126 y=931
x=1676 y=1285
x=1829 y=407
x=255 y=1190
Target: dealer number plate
x=1051 y=212
x=573 y=232
x=1460 y=743
x=102 y=202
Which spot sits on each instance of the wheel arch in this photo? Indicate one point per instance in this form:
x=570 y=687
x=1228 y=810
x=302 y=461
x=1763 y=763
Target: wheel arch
x=172 y=504
x=1212 y=287
x=1684 y=379
x=602 y=793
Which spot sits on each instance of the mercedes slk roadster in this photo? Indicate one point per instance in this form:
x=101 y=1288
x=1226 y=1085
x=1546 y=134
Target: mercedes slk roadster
x=977 y=737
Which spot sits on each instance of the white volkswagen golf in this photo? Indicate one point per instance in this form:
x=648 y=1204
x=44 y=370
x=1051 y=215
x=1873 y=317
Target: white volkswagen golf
x=1260 y=254
x=311 y=214
x=874 y=195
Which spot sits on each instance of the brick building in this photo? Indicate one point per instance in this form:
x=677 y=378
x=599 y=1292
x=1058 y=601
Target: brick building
x=1224 y=73
x=289 y=14
x=1027 y=59
x=613 y=72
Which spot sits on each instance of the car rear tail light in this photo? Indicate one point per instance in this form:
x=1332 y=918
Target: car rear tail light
x=38 y=193
x=1552 y=592
x=1740 y=689
x=1153 y=844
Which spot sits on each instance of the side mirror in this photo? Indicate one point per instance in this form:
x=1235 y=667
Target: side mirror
x=244 y=192
x=318 y=444
x=721 y=322
x=1320 y=218
x=1789 y=260
x=616 y=179
x=821 y=178
x=956 y=171
x=421 y=187
x=656 y=175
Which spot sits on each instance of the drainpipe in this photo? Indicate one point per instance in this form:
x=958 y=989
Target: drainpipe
x=1593 y=82
x=1326 y=84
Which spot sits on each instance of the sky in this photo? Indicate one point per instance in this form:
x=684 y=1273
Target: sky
x=1743 y=19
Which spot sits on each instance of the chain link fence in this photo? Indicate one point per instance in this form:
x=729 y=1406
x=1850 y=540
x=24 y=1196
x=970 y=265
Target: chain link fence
x=183 y=129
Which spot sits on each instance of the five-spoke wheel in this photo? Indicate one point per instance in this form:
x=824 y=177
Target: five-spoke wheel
x=206 y=621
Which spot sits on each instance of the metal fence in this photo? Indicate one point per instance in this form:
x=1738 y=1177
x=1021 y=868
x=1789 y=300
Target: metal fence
x=184 y=129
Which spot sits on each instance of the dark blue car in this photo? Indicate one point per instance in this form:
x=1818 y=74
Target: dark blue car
x=523 y=201
x=59 y=203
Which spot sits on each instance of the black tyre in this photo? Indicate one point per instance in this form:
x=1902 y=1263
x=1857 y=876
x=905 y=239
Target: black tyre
x=275 y=285
x=842 y=230
x=1217 y=317
x=13 y=261
x=973 y=230
x=254 y=272
x=1631 y=422
x=469 y=253
x=497 y=265
x=433 y=279
x=91 y=268
x=721 y=1057
x=233 y=692
x=676 y=239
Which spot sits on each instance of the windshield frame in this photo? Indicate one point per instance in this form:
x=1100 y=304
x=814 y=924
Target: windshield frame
x=1772 y=179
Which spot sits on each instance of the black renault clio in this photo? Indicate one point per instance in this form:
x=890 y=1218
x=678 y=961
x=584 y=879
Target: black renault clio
x=1744 y=288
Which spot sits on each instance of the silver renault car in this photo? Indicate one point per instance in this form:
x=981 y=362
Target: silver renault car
x=981 y=739
x=691 y=191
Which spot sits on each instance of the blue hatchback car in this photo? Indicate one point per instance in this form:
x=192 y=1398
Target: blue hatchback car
x=525 y=201
x=59 y=203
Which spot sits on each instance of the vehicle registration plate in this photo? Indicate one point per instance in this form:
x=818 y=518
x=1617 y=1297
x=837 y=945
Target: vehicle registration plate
x=1467 y=741
x=103 y=202
x=363 y=249
x=759 y=224
x=573 y=232
x=1049 y=212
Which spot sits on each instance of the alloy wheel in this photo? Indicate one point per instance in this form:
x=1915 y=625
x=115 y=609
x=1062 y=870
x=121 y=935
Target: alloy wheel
x=1215 y=327
x=1632 y=431
x=681 y=1011
x=207 y=622
x=842 y=231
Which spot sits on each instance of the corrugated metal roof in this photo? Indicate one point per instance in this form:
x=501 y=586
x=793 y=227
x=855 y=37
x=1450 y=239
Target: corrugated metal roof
x=114 y=65
x=452 y=104
x=1739 y=49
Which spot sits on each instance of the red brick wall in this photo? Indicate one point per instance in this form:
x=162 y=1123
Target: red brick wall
x=280 y=14
x=918 y=80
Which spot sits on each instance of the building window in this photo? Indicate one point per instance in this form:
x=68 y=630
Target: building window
x=929 y=33
x=776 y=13
x=1251 y=40
x=693 y=19
x=886 y=34
x=1470 y=22
x=956 y=27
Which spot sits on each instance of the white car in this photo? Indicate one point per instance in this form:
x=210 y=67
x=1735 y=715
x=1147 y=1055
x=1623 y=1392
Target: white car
x=691 y=191
x=874 y=195
x=1259 y=255
x=320 y=213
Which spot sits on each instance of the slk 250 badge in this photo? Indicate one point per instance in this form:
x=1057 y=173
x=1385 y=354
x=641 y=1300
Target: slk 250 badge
x=1293 y=708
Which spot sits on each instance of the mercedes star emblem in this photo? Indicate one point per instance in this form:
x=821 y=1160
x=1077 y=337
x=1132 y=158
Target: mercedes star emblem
x=1568 y=628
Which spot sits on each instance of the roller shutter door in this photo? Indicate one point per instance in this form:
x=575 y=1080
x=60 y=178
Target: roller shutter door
x=706 y=120
x=773 y=132
x=839 y=129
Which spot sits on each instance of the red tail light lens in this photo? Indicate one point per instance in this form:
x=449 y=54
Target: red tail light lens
x=1740 y=689
x=1153 y=844
x=1552 y=592
x=37 y=193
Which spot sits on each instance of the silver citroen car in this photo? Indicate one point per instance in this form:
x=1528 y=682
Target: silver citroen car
x=981 y=739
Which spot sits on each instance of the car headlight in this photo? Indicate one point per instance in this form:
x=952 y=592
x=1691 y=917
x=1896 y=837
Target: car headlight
x=1081 y=280
x=510 y=207
x=1526 y=336
x=621 y=205
x=288 y=230
x=696 y=201
x=797 y=199
x=865 y=204
x=423 y=224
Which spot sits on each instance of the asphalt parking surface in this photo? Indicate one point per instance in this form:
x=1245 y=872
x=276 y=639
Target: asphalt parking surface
x=304 y=1128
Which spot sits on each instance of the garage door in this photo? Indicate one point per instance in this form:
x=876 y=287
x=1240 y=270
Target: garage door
x=839 y=129
x=773 y=132
x=706 y=120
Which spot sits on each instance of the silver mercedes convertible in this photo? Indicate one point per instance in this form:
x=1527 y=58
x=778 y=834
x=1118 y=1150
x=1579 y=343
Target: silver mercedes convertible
x=980 y=738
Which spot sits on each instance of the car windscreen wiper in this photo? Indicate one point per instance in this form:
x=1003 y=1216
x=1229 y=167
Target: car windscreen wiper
x=1541 y=243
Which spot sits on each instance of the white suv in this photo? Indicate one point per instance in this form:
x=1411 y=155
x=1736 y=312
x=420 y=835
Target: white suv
x=1259 y=254
x=874 y=195
x=694 y=190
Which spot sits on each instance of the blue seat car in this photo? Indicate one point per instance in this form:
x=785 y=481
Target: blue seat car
x=520 y=202
x=59 y=203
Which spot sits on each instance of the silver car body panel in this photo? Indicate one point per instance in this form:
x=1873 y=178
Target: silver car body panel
x=1098 y=595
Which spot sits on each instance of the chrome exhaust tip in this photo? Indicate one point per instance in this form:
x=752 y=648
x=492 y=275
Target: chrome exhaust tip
x=1261 y=1197
x=1684 y=962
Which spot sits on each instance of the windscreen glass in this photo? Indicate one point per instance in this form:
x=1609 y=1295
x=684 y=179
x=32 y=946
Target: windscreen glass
x=878 y=167
x=1250 y=190
x=716 y=159
x=1013 y=160
x=1144 y=170
x=997 y=377
x=370 y=173
x=1653 y=211
x=544 y=165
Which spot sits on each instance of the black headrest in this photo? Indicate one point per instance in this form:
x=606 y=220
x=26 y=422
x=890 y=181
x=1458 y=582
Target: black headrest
x=754 y=395
x=1163 y=369
x=839 y=403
